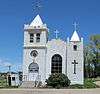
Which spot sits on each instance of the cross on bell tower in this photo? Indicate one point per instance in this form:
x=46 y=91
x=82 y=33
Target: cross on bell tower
x=37 y=6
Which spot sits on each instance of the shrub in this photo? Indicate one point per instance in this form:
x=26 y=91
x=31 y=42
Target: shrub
x=89 y=83
x=58 y=80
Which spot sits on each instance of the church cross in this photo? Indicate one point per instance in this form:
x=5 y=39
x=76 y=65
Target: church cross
x=56 y=32
x=37 y=6
x=75 y=25
x=74 y=66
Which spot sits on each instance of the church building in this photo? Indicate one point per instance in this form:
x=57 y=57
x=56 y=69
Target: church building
x=42 y=57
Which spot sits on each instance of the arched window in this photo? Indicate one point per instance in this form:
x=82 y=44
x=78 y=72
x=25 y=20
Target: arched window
x=31 y=37
x=56 y=66
x=33 y=68
x=38 y=37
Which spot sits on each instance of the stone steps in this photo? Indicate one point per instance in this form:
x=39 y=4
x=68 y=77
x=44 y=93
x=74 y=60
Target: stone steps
x=27 y=84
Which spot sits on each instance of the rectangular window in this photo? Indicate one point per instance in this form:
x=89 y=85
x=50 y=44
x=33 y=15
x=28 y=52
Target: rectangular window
x=31 y=37
x=38 y=37
x=13 y=78
x=75 y=47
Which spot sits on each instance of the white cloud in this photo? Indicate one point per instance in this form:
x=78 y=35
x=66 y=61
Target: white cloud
x=5 y=63
x=1 y=62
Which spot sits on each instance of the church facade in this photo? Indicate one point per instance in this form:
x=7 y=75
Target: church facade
x=42 y=57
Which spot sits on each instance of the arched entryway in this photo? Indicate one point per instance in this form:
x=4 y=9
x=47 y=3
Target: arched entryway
x=56 y=64
x=33 y=70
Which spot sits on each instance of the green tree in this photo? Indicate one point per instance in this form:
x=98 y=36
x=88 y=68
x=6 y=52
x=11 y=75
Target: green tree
x=88 y=61
x=95 y=46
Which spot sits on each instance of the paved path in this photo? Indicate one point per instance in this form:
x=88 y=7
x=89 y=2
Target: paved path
x=97 y=83
x=50 y=91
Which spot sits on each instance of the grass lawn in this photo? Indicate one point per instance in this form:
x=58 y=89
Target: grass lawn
x=88 y=83
x=3 y=82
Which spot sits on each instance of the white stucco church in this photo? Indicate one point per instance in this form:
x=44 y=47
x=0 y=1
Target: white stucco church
x=42 y=57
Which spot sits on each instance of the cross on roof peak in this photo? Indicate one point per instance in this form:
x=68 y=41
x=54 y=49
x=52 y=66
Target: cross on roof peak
x=75 y=26
x=56 y=32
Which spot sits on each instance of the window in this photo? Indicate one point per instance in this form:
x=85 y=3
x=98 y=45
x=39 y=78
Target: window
x=34 y=53
x=31 y=37
x=34 y=26
x=38 y=26
x=13 y=78
x=38 y=37
x=75 y=47
x=56 y=64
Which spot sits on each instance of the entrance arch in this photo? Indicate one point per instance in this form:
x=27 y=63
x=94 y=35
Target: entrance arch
x=56 y=64
x=33 y=70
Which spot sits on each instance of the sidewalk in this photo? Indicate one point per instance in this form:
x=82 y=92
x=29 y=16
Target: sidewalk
x=97 y=83
x=50 y=91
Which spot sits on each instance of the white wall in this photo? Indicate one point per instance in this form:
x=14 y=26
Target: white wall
x=15 y=82
x=55 y=47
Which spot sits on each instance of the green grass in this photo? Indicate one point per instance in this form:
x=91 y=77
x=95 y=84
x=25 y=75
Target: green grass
x=76 y=86
x=10 y=87
x=3 y=82
x=88 y=83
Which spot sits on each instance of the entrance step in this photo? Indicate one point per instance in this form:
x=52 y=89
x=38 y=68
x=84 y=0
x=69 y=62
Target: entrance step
x=27 y=84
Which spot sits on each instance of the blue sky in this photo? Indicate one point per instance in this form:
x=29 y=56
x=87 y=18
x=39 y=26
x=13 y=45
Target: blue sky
x=57 y=14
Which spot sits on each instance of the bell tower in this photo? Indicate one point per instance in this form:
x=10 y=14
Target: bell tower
x=35 y=33
x=75 y=59
x=34 y=54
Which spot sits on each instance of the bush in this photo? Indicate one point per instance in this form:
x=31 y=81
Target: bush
x=89 y=83
x=58 y=80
